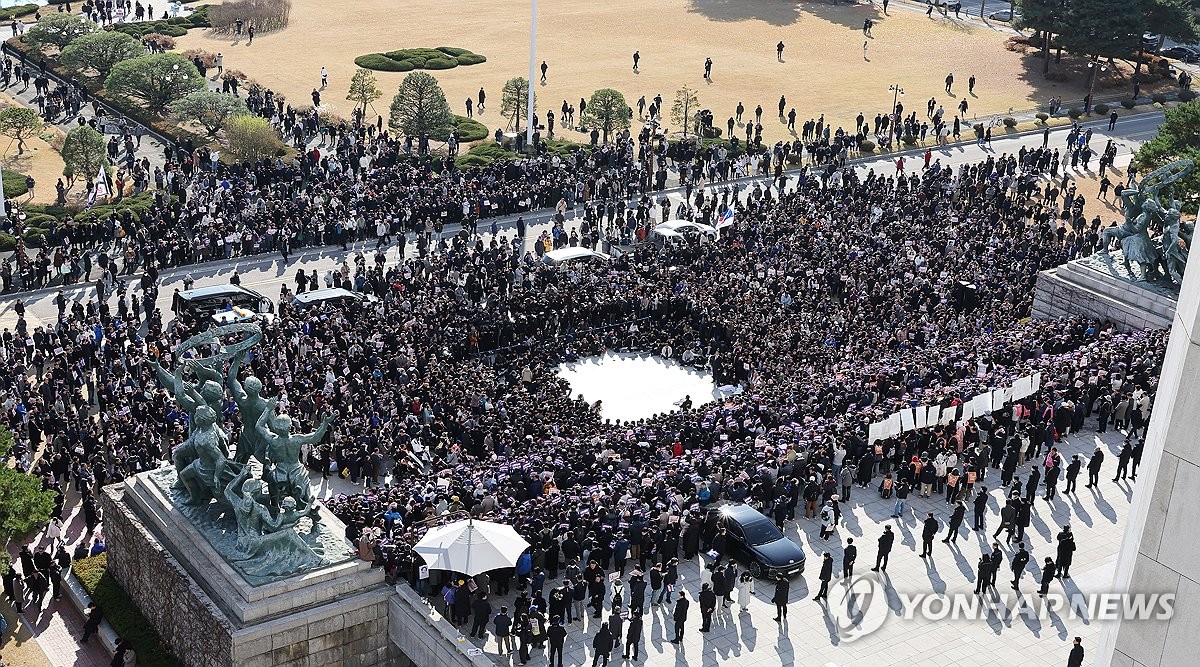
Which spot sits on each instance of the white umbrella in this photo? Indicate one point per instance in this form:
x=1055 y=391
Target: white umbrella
x=471 y=547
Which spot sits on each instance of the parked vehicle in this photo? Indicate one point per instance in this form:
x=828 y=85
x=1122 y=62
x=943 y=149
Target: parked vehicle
x=336 y=296
x=1004 y=16
x=225 y=304
x=563 y=257
x=1182 y=52
x=754 y=541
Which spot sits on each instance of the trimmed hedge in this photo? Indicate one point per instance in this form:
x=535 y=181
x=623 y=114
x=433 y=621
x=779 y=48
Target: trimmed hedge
x=382 y=63
x=14 y=185
x=1074 y=112
x=404 y=60
x=121 y=613
x=1187 y=95
x=1102 y=108
x=1159 y=98
x=1010 y=122
x=469 y=130
x=1042 y=116
x=173 y=27
x=20 y=10
x=1128 y=104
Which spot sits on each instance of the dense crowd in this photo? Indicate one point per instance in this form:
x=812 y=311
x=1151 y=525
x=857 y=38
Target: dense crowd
x=833 y=303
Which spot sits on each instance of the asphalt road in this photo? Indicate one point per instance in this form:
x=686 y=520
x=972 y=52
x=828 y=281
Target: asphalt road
x=266 y=273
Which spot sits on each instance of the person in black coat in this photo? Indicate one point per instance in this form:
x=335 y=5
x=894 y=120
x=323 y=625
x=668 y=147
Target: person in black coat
x=1047 y=576
x=557 y=635
x=826 y=575
x=483 y=611
x=927 y=533
x=1066 y=552
x=981 y=503
x=1031 y=485
x=1123 y=457
x=783 y=590
x=602 y=644
x=956 y=519
x=1072 y=473
x=997 y=559
x=633 y=637
x=885 y=548
x=708 y=604
x=1076 y=657
x=680 y=616
x=849 y=555
x=1019 y=561
x=1093 y=468
x=982 y=574
x=1052 y=474
x=1024 y=517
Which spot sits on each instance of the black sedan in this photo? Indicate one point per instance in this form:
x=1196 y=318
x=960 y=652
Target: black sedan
x=753 y=540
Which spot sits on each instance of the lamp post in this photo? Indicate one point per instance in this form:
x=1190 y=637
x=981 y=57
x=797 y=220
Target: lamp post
x=1087 y=107
x=532 y=67
x=897 y=91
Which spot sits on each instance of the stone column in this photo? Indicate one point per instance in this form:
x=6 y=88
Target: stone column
x=1160 y=552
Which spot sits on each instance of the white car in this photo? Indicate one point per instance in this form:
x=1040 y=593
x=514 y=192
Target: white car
x=565 y=256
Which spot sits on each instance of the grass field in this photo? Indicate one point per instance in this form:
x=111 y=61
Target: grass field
x=589 y=45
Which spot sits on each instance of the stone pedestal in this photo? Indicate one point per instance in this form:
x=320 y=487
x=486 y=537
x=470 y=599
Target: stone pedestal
x=209 y=615
x=1099 y=287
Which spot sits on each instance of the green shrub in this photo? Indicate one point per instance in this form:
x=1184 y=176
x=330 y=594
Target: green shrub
x=1010 y=122
x=470 y=59
x=122 y=614
x=1128 y=104
x=1074 y=112
x=382 y=63
x=1042 y=116
x=1159 y=98
x=14 y=184
x=469 y=130
x=172 y=27
x=461 y=162
x=866 y=146
x=7 y=242
x=1102 y=108
x=404 y=60
x=13 y=12
x=563 y=148
x=39 y=220
x=1187 y=95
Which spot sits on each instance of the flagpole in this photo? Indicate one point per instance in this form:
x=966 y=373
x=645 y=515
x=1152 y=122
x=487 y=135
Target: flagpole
x=3 y=199
x=532 y=65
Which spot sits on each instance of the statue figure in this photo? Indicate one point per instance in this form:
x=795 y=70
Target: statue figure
x=1144 y=210
x=251 y=404
x=286 y=476
x=204 y=392
x=201 y=478
x=268 y=545
x=1177 y=242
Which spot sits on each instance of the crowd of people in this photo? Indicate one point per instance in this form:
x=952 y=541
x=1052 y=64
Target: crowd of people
x=833 y=302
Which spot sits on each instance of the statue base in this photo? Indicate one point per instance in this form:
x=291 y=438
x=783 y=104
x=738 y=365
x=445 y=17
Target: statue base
x=1099 y=287
x=208 y=613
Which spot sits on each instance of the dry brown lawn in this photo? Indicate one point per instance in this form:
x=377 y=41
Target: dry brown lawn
x=40 y=160
x=589 y=45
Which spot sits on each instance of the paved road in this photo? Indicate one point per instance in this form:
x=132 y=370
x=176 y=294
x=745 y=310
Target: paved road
x=266 y=273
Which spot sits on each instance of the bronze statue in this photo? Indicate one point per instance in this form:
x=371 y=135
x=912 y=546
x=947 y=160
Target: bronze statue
x=268 y=542
x=1145 y=211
